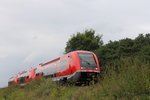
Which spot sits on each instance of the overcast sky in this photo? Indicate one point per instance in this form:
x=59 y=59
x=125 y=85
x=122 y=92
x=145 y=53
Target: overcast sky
x=35 y=31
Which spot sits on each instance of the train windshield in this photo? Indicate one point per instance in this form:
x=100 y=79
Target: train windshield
x=87 y=61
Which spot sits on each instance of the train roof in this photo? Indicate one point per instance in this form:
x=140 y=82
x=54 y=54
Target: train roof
x=80 y=51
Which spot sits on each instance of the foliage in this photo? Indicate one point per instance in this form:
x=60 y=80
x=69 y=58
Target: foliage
x=84 y=41
x=140 y=46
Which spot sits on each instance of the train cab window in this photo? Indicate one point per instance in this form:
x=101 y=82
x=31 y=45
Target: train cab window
x=63 y=64
x=87 y=60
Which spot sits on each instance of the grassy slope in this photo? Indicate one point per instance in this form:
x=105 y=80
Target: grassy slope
x=127 y=79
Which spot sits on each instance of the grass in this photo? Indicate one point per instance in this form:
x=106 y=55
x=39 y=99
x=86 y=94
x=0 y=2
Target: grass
x=125 y=79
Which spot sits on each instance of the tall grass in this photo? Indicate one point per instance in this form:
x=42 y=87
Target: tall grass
x=125 y=79
x=128 y=79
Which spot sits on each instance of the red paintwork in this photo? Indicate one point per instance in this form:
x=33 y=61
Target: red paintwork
x=73 y=65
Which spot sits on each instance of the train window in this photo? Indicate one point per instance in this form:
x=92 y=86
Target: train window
x=49 y=70
x=87 y=60
x=22 y=79
x=27 y=76
x=41 y=73
x=63 y=64
x=54 y=74
x=37 y=74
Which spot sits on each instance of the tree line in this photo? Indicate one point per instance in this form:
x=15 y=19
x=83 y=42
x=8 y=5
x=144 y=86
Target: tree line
x=113 y=50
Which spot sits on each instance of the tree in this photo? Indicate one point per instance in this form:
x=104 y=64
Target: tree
x=126 y=47
x=140 y=46
x=84 y=41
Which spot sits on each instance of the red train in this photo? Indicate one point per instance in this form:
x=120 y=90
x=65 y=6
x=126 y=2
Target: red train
x=76 y=66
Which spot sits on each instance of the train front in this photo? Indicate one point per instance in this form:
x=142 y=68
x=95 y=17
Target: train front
x=87 y=67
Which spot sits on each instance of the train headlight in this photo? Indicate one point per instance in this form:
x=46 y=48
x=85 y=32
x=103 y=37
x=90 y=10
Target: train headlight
x=96 y=68
x=82 y=67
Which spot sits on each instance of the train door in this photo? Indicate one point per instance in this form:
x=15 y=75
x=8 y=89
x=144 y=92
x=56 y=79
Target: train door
x=58 y=68
x=69 y=64
x=32 y=73
x=63 y=66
